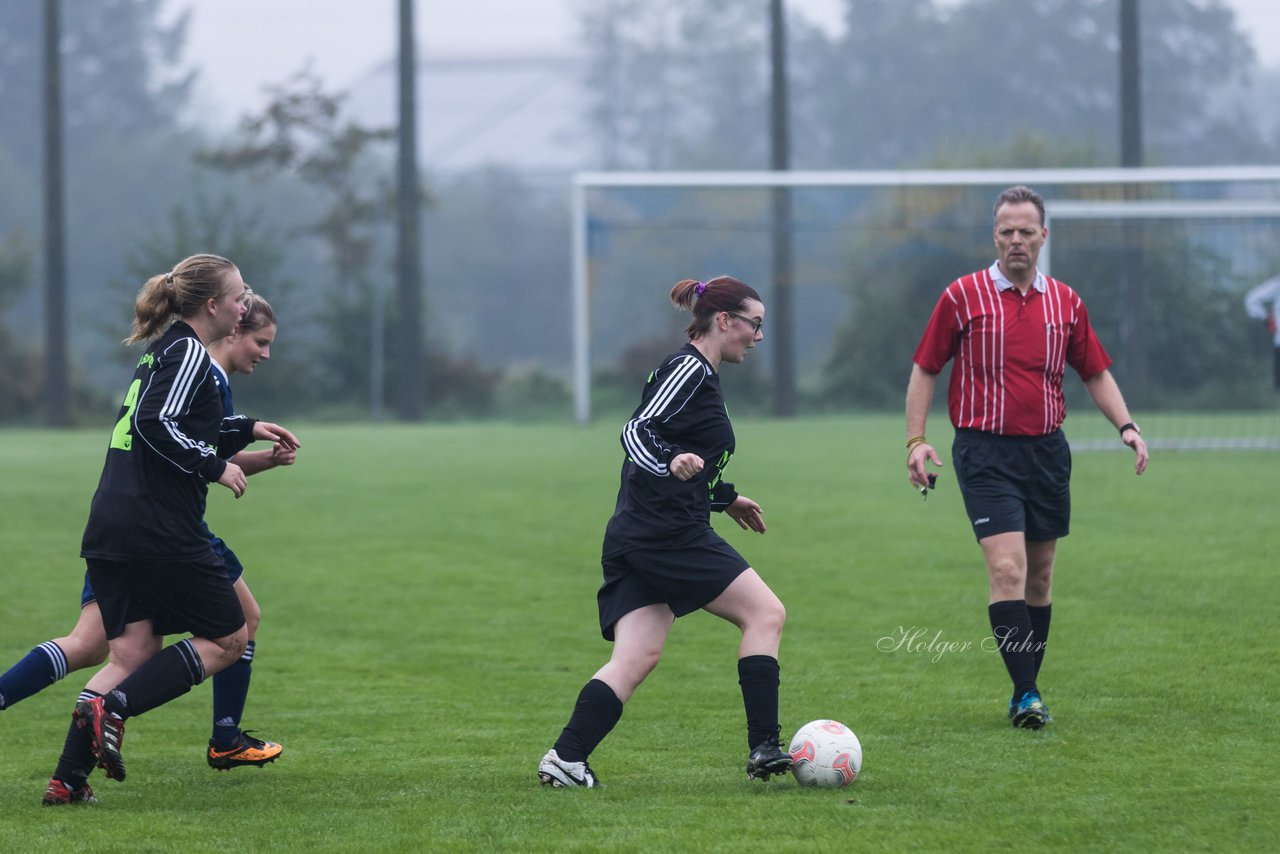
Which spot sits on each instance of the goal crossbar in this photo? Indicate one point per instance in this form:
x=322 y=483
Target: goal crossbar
x=584 y=182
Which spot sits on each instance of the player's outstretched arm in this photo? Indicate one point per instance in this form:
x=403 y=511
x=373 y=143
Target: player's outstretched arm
x=276 y=434
x=253 y=462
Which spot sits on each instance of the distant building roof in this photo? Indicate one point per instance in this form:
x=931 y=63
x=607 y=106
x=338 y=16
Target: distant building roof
x=523 y=111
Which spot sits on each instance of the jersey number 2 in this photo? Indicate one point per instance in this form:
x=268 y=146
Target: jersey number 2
x=121 y=437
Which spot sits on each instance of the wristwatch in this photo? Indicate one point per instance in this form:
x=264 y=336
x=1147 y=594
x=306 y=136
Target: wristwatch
x=1131 y=426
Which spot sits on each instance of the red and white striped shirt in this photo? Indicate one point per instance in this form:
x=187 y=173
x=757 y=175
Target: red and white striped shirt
x=1010 y=351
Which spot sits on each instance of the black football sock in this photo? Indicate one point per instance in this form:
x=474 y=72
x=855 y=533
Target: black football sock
x=758 y=676
x=165 y=676
x=1011 y=626
x=1040 y=616
x=76 y=762
x=597 y=711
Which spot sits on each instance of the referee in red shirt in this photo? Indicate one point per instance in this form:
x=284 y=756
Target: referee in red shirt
x=1012 y=331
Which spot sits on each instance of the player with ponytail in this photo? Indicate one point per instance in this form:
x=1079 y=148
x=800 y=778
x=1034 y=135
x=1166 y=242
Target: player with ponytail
x=150 y=561
x=661 y=557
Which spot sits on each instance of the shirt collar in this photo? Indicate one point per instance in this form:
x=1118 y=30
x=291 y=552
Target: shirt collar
x=219 y=374
x=1003 y=283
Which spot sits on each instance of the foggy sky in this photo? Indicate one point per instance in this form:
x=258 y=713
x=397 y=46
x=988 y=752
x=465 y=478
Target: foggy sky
x=242 y=45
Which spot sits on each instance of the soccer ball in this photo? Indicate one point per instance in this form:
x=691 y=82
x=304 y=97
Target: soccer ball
x=826 y=754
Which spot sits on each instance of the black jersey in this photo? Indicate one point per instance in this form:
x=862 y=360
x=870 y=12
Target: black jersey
x=681 y=411
x=168 y=444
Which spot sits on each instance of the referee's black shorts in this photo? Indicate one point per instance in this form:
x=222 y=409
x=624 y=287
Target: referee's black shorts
x=176 y=596
x=685 y=578
x=1014 y=483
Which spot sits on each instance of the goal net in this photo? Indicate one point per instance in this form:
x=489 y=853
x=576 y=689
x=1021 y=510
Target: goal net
x=1162 y=258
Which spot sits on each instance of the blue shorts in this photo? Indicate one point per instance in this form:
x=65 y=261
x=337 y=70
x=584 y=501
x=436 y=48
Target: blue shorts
x=86 y=595
x=222 y=550
x=234 y=568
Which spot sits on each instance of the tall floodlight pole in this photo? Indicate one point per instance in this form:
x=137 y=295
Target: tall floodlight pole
x=784 y=366
x=411 y=388
x=56 y=407
x=1130 y=86
x=1131 y=325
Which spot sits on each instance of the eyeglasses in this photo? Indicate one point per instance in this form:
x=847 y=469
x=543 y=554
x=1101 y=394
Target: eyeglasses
x=755 y=324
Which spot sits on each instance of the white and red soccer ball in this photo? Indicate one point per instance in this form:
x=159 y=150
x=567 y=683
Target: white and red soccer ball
x=826 y=754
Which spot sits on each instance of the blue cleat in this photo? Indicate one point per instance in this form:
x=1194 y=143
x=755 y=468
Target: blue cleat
x=1029 y=712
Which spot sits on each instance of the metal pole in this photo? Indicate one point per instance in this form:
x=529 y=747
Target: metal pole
x=1133 y=269
x=56 y=403
x=581 y=307
x=411 y=387
x=784 y=379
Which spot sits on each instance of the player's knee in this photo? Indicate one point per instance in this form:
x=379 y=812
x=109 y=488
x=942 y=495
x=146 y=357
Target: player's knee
x=644 y=662
x=1006 y=572
x=638 y=664
x=772 y=617
x=1039 y=581
x=82 y=651
x=233 y=645
x=91 y=654
x=767 y=617
x=129 y=652
x=252 y=619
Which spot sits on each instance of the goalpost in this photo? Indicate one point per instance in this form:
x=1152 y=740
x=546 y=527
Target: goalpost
x=1143 y=209
x=1187 y=194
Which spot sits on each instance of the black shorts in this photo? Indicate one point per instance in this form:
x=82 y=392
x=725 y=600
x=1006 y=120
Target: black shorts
x=176 y=596
x=1015 y=483
x=685 y=578
x=233 y=568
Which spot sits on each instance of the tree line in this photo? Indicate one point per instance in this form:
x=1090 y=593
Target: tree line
x=300 y=193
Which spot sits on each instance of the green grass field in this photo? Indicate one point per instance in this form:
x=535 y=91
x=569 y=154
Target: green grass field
x=428 y=598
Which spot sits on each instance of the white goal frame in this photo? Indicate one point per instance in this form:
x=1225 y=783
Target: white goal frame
x=584 y=182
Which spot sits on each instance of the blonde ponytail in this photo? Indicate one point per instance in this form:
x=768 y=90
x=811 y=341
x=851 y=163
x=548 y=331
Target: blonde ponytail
x=180 y=292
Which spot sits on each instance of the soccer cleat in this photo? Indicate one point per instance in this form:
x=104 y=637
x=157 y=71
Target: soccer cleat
x=1029 y=712
x=1048 y=718
x=246 y=750
x=106 y=732
x=555 y=772
x=58 y=793
x=768 y=759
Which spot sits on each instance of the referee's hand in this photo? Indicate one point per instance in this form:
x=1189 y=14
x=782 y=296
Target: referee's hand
x=915 y=464
x=233 y=479
x=1140 y=453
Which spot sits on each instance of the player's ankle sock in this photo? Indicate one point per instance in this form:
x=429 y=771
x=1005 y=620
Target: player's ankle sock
x=230 y=689
x=165 y=676
x=76 y=762
x=1040 y=615
x=597 y=711
x=37 y=670
x=758 y=676
x=1011 y=626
